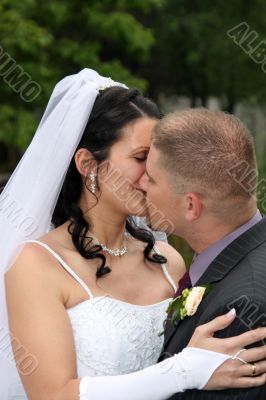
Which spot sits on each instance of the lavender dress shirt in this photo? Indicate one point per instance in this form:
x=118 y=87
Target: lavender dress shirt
x=202 y=260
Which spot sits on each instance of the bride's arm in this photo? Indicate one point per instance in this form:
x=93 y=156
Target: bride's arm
x=39 y=321
x=191 y=369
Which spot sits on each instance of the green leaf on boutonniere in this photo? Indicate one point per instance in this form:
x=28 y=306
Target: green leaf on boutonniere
x=175 y=315
x=174 y=305
x=208 y=288
x=187 y=303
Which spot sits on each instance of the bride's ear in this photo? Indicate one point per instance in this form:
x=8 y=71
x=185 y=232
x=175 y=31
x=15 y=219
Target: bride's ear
x=84 y=161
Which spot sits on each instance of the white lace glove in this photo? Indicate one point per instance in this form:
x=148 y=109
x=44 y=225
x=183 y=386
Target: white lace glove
x=190 y=369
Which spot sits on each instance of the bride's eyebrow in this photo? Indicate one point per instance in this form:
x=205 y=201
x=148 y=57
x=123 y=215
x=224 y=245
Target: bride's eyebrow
x=140 y=148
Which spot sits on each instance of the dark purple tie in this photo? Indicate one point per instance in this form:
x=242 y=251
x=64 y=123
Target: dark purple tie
x=184 y=283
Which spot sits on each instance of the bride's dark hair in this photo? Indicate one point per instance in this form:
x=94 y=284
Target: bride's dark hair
x=113 y=109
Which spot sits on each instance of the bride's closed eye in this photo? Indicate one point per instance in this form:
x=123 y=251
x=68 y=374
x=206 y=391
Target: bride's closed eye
x=141 y=157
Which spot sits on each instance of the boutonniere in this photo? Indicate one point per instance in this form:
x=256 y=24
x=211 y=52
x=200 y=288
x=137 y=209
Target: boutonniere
x=187 y=303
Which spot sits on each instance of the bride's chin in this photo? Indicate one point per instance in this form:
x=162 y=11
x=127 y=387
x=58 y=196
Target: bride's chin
x=140 y=214
x=140 y=211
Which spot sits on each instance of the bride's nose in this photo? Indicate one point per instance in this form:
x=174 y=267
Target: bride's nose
x=143 y=182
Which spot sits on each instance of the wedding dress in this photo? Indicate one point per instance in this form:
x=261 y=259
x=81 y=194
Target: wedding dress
x=112 y=337
x=121 y=341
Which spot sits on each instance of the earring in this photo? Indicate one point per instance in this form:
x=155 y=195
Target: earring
x=93 y=186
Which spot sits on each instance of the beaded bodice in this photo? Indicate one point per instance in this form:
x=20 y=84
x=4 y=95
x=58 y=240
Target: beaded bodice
x=113 y=337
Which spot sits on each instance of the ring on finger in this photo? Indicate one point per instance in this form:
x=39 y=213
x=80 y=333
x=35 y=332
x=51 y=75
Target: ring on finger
x=254 y=369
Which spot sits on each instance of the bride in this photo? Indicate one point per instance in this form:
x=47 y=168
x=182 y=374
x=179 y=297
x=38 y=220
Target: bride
x=87 y=299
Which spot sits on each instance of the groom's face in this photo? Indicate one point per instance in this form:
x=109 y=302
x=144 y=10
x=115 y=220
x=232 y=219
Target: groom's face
x=161 y=200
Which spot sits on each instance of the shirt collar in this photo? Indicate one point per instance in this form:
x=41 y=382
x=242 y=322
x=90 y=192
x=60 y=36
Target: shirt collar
x=202 y=260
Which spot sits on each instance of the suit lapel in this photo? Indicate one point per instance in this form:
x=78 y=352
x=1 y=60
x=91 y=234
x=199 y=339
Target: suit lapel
x=226 y=261
x=170 y=330
x=234 y=253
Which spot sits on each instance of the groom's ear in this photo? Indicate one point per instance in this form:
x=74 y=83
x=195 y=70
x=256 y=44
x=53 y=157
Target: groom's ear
x=193 y=206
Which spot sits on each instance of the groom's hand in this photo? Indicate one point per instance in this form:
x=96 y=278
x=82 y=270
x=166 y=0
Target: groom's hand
x=241 y=372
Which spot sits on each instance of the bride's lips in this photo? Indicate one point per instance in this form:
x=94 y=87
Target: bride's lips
x=142 y=191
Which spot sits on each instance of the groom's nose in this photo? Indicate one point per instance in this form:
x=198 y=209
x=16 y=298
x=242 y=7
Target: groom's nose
x=143 y=182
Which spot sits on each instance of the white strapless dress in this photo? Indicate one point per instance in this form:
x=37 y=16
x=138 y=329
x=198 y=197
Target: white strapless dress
x=111 y=337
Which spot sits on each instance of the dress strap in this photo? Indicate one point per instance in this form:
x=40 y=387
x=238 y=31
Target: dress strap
x=165 y=270
x=64 y=264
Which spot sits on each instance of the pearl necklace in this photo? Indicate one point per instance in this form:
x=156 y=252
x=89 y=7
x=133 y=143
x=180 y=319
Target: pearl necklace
x=112 y=252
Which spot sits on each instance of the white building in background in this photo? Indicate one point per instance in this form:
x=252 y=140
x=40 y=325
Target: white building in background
x=252 y=115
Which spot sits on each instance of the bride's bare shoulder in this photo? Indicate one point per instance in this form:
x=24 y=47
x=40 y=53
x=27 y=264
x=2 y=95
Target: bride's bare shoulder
x=34 y=255
x=175 y=262
x=34 y=264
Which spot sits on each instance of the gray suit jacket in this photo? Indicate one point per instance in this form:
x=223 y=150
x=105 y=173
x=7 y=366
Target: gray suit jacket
x=238 y=278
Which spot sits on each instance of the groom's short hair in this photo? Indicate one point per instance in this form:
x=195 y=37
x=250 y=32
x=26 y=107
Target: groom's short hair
x=210 y=150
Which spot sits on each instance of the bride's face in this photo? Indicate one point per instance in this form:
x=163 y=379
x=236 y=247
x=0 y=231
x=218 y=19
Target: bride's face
x=119 y=184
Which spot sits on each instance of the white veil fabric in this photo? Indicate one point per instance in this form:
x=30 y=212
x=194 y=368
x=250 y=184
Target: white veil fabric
x=141 y=222
x=29 y=197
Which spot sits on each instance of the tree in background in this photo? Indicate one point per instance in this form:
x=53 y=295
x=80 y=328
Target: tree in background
x=52 y=39
x=194 y=56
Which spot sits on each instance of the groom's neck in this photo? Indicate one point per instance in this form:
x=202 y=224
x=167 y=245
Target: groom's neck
x=207 y=233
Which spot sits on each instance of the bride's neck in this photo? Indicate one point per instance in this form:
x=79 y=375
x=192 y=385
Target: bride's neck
x=106 y=225
x=108 y=231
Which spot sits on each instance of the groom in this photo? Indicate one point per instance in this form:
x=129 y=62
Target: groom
x=204 y=164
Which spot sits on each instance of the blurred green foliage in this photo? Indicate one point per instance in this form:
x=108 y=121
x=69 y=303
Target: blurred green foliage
x=160 y=46
x=52 y=39
x=195 y=57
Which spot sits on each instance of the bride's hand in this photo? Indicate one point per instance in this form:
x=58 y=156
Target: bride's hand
x=233 y=373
